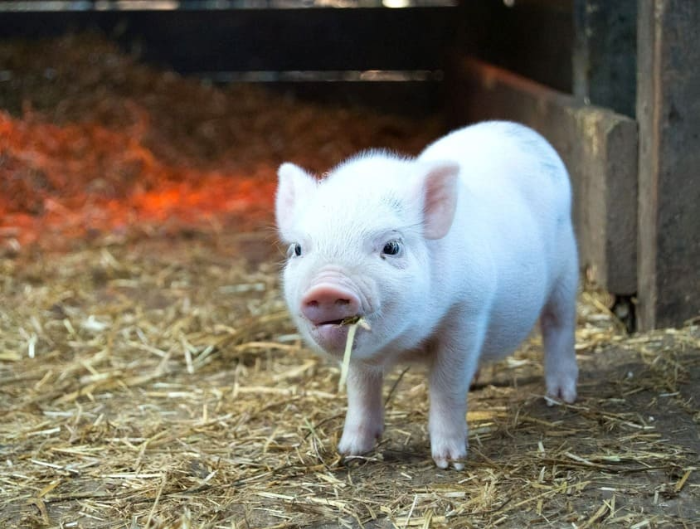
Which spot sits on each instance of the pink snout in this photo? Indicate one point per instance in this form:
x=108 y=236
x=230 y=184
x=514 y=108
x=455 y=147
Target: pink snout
x=326 y=303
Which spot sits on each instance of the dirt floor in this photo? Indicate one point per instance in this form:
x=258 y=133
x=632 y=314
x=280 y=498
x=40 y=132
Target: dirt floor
x=150 y=376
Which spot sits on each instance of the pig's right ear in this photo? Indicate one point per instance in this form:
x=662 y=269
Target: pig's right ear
x=294 y=185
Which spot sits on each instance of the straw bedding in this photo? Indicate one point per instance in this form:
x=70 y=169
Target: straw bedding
x=150 y=376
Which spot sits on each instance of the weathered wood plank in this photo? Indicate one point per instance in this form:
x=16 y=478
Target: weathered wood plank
x=598 y=146
x=668 y=111
x=196 y=41
x=605 y=53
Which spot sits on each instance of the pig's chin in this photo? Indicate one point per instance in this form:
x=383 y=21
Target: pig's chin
x=330 y=337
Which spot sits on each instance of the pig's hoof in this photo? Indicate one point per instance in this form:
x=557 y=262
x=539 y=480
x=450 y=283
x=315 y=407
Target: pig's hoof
x=562 y=386
x=358 y=441
x=446 y=453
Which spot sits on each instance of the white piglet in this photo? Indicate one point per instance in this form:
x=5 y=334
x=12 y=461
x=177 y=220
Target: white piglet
x=451 y=258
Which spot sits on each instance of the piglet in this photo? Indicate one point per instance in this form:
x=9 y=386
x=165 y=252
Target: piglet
x=451 y=258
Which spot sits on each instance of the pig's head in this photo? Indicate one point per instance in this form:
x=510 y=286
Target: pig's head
x=359 y=245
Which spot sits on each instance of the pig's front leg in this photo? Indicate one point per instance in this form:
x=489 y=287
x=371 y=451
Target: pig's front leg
x=453 y=368
x=364 y=422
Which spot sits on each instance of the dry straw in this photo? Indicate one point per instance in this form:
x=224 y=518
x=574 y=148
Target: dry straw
x=353 y=323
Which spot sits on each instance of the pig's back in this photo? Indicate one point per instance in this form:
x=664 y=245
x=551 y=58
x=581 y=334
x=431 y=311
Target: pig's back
x=511 y=176
x=515 y=204
x=497 y=154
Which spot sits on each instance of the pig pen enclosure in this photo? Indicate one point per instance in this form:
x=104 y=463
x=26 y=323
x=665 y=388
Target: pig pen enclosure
x=149 y=373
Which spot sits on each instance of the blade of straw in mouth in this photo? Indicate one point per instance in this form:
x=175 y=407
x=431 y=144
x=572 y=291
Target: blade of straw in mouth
x=353 y=322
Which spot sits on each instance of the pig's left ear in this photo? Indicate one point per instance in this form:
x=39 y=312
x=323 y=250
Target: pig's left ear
x=440 y=191
x=294 y=185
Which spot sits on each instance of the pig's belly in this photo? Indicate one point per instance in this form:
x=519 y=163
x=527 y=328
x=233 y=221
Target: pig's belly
x=510 y=325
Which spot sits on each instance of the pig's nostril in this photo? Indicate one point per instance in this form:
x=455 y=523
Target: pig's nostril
x=342 y=302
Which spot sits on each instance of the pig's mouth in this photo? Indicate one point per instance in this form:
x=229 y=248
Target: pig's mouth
x=330 y=322
x=331 y=335
x=340 y=322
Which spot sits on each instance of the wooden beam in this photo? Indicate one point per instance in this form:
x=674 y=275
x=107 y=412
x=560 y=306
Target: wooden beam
x=668 y=111
x=598 y=146
x=195 y=41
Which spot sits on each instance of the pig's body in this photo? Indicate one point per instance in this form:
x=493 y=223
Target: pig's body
x=513 y=221
x=482 y=224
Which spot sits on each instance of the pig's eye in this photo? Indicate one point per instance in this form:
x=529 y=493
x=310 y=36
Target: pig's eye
x=392 y=248
x=294 y=250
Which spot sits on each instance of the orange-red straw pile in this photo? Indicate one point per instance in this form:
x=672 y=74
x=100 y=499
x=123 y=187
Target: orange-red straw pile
x=92 y=142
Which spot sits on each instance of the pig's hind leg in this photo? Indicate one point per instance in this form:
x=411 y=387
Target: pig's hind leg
x=558 y=324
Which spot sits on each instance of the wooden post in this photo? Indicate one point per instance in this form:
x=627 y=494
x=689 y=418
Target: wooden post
x=605 y=53
x=668 y=112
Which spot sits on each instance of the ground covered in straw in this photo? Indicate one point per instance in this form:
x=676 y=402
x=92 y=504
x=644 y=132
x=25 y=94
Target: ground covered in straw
x=150 y=376
x=159 y=380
